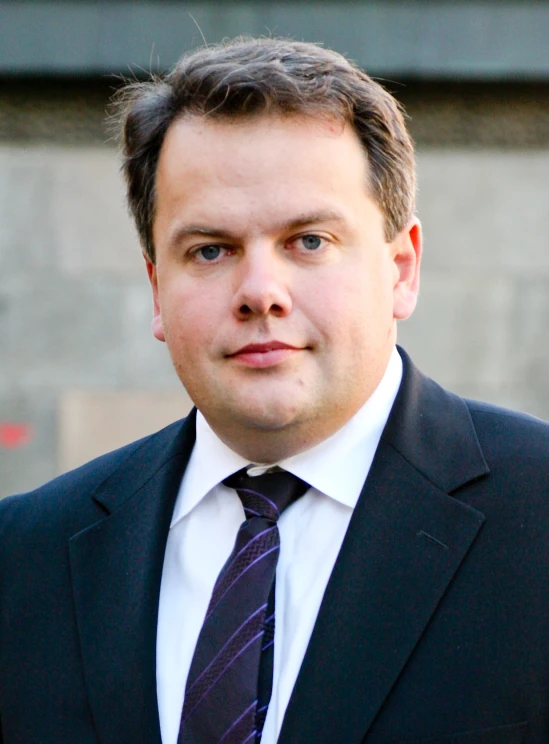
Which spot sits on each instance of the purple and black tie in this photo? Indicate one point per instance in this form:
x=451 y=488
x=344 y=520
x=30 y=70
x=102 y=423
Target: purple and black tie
x=230 y=680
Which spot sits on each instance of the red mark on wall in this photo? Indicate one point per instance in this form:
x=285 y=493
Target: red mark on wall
x=15 y=434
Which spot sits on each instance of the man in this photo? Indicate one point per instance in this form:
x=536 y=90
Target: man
x=272 y=183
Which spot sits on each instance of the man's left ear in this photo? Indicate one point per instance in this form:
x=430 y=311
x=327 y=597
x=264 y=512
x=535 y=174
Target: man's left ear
x=157 y=324
x=407 y=248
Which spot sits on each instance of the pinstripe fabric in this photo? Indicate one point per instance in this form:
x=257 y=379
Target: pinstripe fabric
x=221 y=698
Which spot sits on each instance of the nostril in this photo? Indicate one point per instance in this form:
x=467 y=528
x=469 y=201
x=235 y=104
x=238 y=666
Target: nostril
x=261 y=308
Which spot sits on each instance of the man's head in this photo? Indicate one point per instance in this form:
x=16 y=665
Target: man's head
x=245 y=78
x=279 y=236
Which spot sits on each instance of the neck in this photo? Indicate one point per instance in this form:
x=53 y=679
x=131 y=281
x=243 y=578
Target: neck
x=269 y=448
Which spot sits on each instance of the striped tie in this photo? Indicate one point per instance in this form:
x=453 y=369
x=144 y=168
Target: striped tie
x=233 y=655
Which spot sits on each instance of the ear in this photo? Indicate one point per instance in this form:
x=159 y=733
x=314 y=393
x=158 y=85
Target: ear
x=157 y=325
x=406 y=253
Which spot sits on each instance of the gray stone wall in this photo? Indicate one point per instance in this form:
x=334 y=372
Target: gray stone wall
x=80 y=372
x=482 y=323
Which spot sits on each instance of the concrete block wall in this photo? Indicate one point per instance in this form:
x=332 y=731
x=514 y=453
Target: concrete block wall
x=482 y=324
x=80 y=372
x=75 y=314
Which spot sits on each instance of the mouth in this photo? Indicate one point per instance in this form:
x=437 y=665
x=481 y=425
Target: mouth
x=264 y=355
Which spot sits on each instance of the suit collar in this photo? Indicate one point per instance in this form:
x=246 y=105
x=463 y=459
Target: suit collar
x=405 y=543
x=432 y=428
x=116 y=568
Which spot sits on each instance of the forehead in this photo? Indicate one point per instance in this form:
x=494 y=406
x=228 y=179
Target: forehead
x=260 y=168
x=260 y=143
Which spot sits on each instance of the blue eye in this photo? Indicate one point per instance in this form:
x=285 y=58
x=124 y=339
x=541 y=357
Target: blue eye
x=210 y=252
x=311 y=242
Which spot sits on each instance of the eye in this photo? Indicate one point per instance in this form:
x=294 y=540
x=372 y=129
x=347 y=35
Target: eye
x=209 y=252
x=311 y=242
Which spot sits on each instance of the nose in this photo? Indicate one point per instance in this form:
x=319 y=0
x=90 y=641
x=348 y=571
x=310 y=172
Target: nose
x=262 y=284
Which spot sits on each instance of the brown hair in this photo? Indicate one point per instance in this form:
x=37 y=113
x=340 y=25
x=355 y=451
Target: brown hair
x=247 y=77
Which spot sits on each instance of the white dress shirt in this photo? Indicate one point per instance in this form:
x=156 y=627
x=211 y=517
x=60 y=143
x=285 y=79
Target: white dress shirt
x=206 y=518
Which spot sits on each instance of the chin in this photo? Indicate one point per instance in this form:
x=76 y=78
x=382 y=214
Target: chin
x=266 y=420
x=265 y=415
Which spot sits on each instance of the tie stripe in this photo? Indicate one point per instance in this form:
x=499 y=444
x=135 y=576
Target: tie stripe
x=242 y=725
x=268 y=633
x=249 y=631
x=265 y=507
x=247 y=561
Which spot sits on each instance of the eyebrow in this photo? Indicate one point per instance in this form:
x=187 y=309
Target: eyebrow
x=301 y=220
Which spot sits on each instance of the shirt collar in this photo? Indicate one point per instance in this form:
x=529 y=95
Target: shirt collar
x=337 y=466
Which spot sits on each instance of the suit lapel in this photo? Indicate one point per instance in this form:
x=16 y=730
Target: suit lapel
x=406 y=541
x=116 y=568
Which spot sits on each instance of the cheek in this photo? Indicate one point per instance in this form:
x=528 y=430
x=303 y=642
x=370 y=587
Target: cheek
x=191 y=318
x=341 y=300
x=354 y=316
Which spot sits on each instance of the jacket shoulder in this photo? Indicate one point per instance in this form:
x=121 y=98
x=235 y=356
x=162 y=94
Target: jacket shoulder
x=509 y=430
x=454 y=441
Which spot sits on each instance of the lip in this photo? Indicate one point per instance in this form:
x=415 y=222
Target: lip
x=264 y=355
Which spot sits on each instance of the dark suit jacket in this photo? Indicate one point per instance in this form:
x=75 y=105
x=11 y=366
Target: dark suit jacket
x=434 y=626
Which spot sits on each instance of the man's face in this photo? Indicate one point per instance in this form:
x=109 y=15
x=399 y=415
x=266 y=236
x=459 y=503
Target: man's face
x=274 y=287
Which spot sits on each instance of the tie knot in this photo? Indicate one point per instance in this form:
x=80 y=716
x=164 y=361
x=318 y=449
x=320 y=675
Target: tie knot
x=266 y=495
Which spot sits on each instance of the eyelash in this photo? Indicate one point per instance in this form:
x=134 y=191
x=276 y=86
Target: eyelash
x=197 y=252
